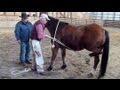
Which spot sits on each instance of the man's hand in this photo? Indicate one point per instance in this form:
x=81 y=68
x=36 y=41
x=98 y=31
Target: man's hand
x=46 y=36
x=38 y=53
x=18 y=41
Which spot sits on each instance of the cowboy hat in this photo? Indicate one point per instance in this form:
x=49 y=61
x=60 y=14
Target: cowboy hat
x=24 y=15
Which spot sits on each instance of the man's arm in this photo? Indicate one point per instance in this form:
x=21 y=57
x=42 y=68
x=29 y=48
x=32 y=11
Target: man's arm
x=31 y=27
x=30 y=32
x=17 y=32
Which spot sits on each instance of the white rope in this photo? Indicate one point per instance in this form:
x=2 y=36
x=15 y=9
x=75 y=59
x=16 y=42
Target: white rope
x=17 y=72
x=58 y=41
x=55 y=34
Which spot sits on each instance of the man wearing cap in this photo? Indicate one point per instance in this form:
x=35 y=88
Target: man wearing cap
x=37 y=36
x=22 y=33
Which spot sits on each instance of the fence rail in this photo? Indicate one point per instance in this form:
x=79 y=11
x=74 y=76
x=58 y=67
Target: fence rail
x=82 y=21
x=111 y=23
x=11 y=22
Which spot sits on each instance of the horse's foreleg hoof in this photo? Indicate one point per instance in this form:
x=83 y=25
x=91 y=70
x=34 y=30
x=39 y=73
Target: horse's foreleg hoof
x=100 y=77
x=49 y=68
x=64 y=66
x=90 y=75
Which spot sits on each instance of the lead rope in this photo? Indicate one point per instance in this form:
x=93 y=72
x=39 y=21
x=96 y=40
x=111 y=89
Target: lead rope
x=59 y=42
x=53 y=45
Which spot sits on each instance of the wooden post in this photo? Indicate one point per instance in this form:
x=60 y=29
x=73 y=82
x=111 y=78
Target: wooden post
x=36 y=14
x=14 y=13
x=101 y=15
x=114 y=16
x=52 y=13
x=56 y=14
x=71 y=16
x=64 y=15
x=68 y=14
x=4 y=13
x=30 y=13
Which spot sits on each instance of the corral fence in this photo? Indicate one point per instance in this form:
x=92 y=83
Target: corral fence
x=10 y=22
x=112 y=23
x=76 y=21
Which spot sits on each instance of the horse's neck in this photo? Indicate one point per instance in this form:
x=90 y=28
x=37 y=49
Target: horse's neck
x=52 y=32
x=53 y=29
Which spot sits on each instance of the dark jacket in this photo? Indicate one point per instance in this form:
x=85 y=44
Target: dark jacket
x=23 y=31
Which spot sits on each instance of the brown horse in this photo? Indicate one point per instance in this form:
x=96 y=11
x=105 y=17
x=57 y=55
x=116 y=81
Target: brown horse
x=91 y=37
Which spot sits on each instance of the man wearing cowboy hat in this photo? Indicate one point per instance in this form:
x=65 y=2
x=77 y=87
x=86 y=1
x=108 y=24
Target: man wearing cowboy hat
x=37 y=36
x=22 y=33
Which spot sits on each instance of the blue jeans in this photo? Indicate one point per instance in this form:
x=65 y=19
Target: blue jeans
x=24 y=51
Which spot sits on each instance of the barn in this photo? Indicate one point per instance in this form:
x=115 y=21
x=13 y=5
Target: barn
x=79 y=63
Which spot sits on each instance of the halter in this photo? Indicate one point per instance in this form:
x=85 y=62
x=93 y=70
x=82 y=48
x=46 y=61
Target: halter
x=53 y=45
x=54 y=39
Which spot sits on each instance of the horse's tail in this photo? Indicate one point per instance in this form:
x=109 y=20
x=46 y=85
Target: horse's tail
x=105 y=55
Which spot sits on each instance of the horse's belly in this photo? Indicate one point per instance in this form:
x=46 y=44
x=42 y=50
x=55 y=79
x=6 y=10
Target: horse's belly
x=74 y=46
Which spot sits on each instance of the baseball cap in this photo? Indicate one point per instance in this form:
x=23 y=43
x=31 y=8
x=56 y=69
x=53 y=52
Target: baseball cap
x=45 y=16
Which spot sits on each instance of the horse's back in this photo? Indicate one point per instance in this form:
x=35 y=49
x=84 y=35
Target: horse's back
x=83 y=36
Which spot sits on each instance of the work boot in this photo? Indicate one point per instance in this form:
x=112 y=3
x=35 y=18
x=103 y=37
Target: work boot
x=28 y=62
x=22 y=63
x=42 y=73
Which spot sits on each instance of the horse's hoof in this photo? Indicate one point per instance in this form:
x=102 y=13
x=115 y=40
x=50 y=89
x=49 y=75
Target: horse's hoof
x=90 y=75
x=64 y=66
x=49 y=68
x=100 y=77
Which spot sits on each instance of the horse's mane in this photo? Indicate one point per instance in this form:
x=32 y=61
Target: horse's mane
x=55 y=19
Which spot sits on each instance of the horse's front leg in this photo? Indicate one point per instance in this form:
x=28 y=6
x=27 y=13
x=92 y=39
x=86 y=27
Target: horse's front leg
x=63 y=53
x=54 y=54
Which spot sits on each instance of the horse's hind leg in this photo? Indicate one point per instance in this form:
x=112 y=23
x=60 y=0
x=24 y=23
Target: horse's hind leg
x=96 y=61
x=54 y=54
x=63 y=53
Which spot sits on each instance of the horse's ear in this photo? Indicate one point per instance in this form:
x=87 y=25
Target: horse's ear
x=51 y=18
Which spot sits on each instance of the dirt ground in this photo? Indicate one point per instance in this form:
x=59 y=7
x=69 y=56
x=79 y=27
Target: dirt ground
x=76 y=61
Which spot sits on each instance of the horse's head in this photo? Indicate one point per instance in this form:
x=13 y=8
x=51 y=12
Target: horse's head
x=52 y=24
